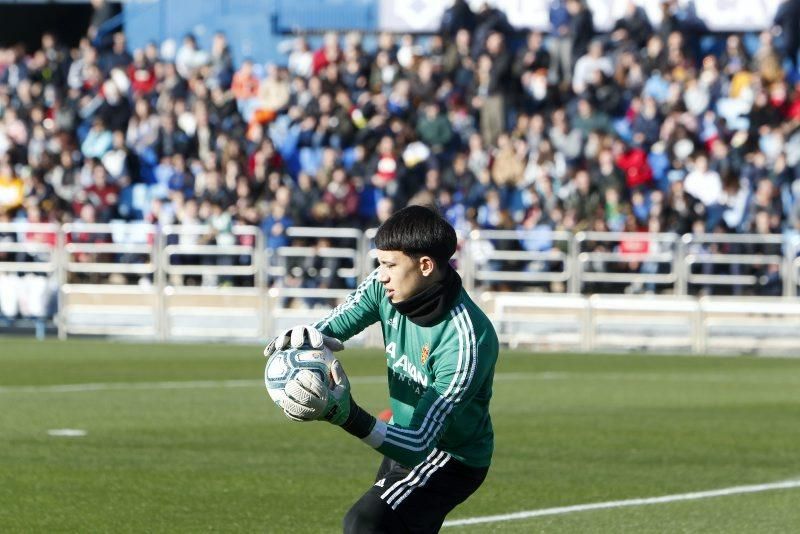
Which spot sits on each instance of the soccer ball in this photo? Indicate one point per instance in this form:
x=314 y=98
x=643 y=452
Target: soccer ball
x=284 y=365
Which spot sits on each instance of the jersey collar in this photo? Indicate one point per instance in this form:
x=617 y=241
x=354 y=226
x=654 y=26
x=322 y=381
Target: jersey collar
x=431 y=305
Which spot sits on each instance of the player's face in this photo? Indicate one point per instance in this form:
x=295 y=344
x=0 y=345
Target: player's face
x=403 y=276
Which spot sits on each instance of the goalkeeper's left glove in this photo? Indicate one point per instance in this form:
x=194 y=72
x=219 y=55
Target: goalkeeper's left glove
x=299 y=336
x=308 y=398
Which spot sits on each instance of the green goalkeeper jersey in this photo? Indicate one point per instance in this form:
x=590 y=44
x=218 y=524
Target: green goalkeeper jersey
x=440 y=376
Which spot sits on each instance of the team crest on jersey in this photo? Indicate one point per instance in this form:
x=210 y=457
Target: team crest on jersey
x=426 y=351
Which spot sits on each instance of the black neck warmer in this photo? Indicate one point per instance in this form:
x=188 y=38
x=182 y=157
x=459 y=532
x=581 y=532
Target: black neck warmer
x=430 y=305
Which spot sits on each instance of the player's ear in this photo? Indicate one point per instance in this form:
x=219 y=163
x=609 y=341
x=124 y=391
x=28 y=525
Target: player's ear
x=427 y=265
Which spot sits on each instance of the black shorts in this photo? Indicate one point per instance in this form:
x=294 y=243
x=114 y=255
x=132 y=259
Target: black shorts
x=413 y=500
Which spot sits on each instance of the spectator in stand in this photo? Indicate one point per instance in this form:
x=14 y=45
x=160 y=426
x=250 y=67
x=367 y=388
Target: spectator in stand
x=189 y=58
x=221 y=62
x=118 y=56
x=245 y=83
x=560 y=43
x=102 y=195
x=633 y=162
x=705 y=185
x=588 y=120
x=589 y=65
x=787 y=19
x=273 y=96
x=114 y=110
x=341 y=196
x=98 y=141
x=328 y=54
x=633 y=29
x=301 y=60
x=530 y=67
x=455 y=18
x=141 y=73
x=584 y=199
x=274 y=227
x=581 y=29
x=434 y=129
x=11 y=189
x=171 y=139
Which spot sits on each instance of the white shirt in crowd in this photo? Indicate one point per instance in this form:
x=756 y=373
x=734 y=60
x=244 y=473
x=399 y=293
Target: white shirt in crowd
x=705 y=186
x=585 y=69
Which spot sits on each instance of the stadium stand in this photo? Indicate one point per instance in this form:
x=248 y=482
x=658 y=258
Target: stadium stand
x=639 y=160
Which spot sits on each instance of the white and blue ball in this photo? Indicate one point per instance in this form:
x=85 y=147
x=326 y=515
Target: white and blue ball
x=284 y=365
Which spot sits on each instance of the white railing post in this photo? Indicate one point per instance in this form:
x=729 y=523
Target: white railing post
x=587 y=327
x=573 y=285
x=789 y=270
x=160 y=242
x=576 y=278
x=466 y=264
x=61 y=274
x=699 y=330
x=795 y=276
x=682 y=266
x=259 y=281
x=358 y=264
x=369 y=235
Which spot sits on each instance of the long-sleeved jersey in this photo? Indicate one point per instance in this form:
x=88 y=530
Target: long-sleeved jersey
x=440 y=377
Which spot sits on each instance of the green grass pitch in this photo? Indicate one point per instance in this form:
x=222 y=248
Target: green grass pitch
x=188 y=441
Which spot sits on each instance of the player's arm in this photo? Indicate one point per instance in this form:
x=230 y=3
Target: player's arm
x=458 y=377
x=410 y=445
x=359 y=310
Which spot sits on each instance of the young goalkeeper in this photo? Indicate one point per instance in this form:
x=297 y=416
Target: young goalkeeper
x=440 y=355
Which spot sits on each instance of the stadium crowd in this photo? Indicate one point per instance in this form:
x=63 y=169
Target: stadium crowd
x=643 y=128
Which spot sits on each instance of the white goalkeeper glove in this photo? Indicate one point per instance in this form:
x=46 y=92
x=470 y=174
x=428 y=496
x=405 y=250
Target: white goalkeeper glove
x=299 y=336
x=309 y=399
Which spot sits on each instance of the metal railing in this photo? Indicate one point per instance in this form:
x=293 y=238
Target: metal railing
x=343 y=246
x=791 y=248
x=514 y=259
x=639 y=260
x=108 y=249
x=200 y=250
x=740 y=262
x=663 y=323
x=29 y=266
x=178 y=280
x=588 y=257
x=29 y=247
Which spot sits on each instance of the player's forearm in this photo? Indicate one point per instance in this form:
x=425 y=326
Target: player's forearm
x=359 y=423
x=373 y=432
x=357 y=312
x=344 y=326
x=335 y=329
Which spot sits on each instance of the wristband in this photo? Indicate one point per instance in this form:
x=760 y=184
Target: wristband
x=359 y=422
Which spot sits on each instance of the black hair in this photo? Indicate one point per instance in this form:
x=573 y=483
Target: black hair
x=418 y=231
